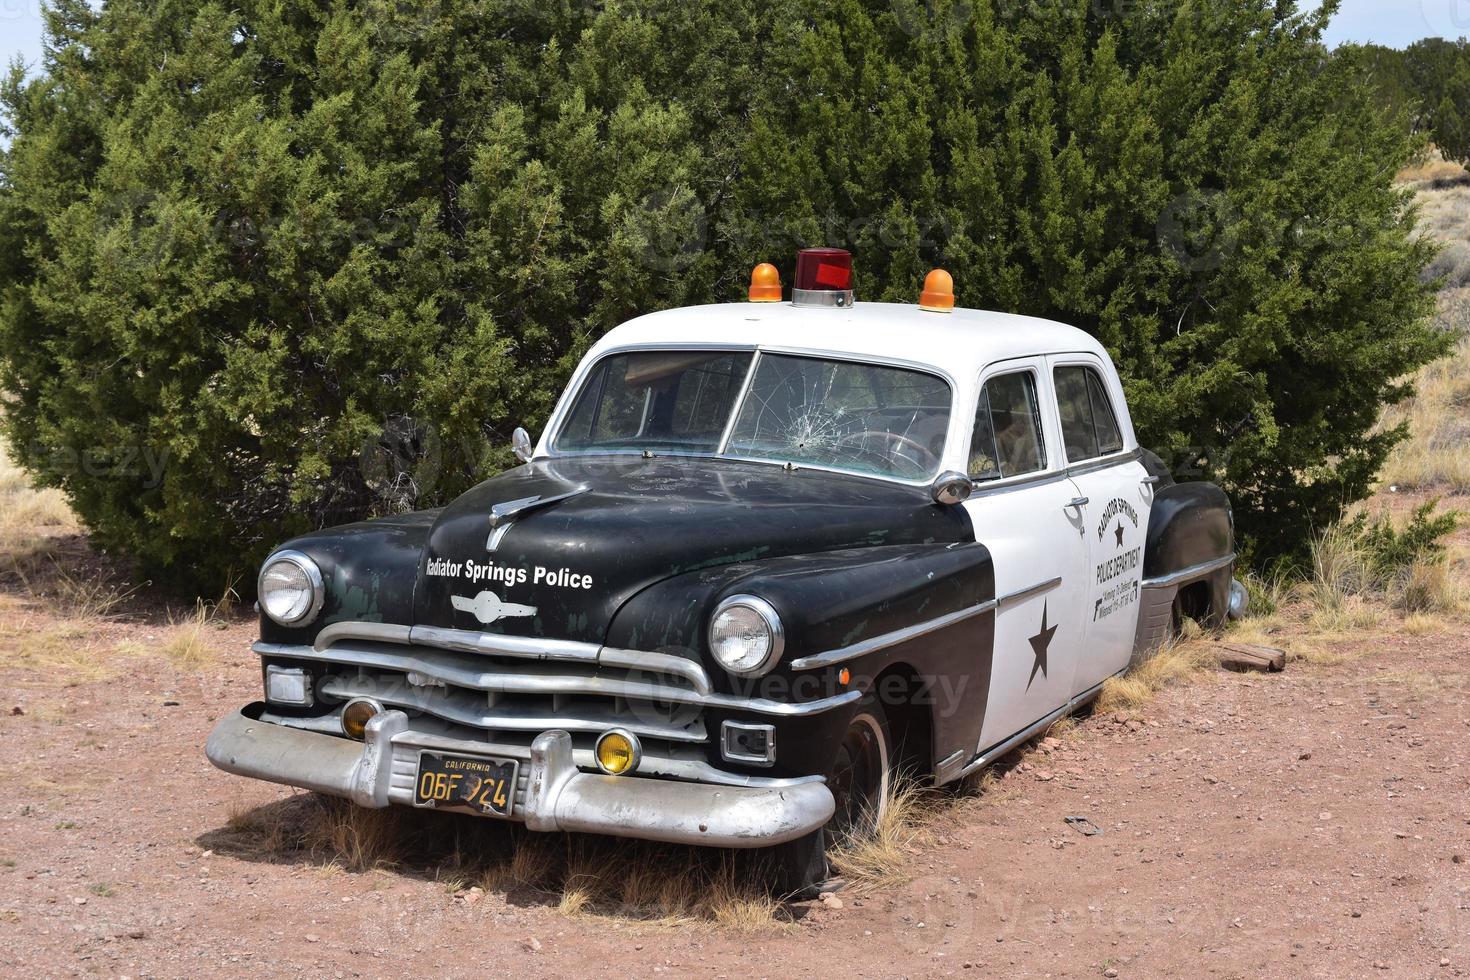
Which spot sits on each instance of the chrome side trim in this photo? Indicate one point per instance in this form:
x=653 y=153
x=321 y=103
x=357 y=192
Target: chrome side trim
x=531 y=680
x=943 y=766
x=1022 y=595
x=985 y=488
x=1104 y=462
x=1000 y=749
x=1189 y=574
x=864 y=647
x=1053 y=476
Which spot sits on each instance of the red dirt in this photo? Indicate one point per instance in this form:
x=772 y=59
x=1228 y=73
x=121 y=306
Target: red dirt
x=1315 y=822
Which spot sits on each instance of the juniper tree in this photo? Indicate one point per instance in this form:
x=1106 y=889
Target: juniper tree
x=318 y=259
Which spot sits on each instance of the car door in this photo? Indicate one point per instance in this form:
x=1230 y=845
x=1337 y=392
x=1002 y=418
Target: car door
x=1102 y=460
x=1022 y=510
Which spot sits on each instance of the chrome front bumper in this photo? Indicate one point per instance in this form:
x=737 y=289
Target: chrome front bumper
x=551 y=793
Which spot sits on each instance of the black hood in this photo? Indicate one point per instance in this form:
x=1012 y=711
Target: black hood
x=561 y=570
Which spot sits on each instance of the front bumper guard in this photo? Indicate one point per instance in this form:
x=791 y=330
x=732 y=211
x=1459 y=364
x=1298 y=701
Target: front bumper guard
x=557 y=795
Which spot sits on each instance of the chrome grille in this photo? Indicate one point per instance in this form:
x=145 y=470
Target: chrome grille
x=512 y=689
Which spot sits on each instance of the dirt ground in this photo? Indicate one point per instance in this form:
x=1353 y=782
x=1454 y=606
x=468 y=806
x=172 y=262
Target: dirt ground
x=1309 y=823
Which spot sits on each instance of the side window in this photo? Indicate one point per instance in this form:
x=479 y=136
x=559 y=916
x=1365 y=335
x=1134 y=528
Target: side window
x=1007 y=437
x=1109 y=439
x=1089 y=426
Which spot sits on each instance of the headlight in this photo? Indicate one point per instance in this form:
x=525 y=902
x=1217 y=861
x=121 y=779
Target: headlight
x=290 y=588
x=745 y=635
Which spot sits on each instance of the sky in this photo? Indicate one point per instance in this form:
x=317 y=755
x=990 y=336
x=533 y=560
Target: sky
x=1395 y=23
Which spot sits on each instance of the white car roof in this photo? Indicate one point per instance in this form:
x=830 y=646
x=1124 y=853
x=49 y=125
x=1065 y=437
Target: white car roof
x=958 y=344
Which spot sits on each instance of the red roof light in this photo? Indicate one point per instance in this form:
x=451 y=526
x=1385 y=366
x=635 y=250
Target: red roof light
x=823 y=269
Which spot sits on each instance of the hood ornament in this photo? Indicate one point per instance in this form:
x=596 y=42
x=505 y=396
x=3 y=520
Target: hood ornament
x=503 y=514
x=487 y=607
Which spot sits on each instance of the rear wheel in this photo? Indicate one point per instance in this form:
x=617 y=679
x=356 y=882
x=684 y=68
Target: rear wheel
x=860 y=782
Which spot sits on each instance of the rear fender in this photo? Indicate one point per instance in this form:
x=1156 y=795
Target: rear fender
x=1189 y=524
x=1190 y=547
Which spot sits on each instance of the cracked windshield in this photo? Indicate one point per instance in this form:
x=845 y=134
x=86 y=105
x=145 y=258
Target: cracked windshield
x=862 y=418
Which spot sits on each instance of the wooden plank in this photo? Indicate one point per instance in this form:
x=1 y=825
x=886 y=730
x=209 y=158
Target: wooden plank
x=1248 y=656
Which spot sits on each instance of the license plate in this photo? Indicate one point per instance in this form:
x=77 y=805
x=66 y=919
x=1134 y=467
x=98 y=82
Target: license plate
x=486 y=786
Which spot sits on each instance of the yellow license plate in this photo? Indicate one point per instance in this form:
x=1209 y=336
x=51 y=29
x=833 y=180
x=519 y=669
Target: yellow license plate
x=486 y=786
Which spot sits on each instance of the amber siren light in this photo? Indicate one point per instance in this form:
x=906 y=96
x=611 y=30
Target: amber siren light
x=765 y=284
x=938 y=294
x=823 y=278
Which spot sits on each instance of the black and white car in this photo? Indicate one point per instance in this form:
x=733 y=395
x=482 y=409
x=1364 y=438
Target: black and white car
x=765 y=556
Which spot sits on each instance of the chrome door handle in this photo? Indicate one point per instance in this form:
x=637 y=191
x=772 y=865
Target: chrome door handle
x=1080 y=502
x=1149 y=481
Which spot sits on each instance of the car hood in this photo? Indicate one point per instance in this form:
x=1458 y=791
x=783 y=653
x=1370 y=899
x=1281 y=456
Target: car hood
x=560 y=568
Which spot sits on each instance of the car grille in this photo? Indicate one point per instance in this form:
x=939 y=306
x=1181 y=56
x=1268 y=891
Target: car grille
x=510 y=688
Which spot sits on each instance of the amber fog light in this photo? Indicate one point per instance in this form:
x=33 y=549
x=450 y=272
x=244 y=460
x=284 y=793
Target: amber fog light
x=356 y=716
x=618 y=752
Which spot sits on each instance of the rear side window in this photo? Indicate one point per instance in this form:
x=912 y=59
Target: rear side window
x=1089 y=425
x=1007 y=437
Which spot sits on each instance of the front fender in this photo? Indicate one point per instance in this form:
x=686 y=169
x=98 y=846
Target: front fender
x=369 y=571
x=830 y=601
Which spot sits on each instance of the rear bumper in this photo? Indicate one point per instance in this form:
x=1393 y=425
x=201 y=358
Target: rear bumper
x=551 y=793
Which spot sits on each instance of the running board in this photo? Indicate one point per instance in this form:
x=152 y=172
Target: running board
x=1000 y=749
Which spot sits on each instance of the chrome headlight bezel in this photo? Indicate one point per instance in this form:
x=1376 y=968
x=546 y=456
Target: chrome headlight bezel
x=775 y=631
x=313 y=577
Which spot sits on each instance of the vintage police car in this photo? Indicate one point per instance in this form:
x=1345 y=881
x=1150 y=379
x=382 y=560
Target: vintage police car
x=765 y=556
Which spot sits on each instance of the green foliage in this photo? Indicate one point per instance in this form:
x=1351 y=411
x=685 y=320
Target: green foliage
x=1391 y=551
x=315 y=260
x=1429 y=82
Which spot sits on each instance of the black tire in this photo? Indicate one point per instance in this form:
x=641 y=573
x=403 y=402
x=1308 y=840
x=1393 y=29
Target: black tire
x=860 y=780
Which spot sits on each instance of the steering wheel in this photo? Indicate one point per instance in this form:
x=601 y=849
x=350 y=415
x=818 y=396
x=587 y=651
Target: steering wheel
x=909 y=450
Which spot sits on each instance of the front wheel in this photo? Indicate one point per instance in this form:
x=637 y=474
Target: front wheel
x=860 y=782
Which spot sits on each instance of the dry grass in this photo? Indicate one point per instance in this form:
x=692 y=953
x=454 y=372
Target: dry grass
x=1174 y=663
x=1429 y=587
x=67 y=650
x=24 y=509
x=1424 y=624
x=1432 y=168
x=1340 y=569
x=359 y=839
x=883 y=859
x=187 y=645
x=33 y=526
x=1437 y=452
